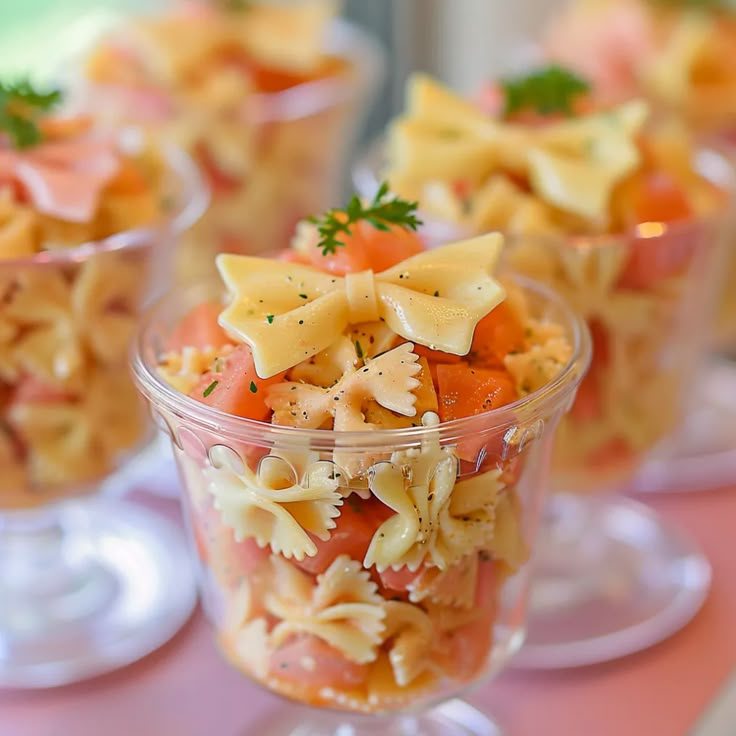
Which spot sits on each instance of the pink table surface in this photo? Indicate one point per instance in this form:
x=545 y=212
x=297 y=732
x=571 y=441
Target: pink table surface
x=186 y=690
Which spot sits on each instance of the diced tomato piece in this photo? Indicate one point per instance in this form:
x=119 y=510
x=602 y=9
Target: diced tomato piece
x=220 y=182
x=352 y=536
x=398 y=580
x=33 y=390
x=654 y=259
x=237 y=389
x=65 y=127
x=229 y=559
x=436 y=356
x=310 y=664
x=293 y=256
x=368 y=248
x=499 y=333
x=615 y=455
x=588 y=404
x=655 y=197
x=659 y=198
x=465 y=391
x=199 y=329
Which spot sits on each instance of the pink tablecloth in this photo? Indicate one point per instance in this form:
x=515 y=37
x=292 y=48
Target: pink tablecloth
x=185 y=690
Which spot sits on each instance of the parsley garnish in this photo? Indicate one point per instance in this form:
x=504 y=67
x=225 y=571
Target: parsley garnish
x=545 y=91
x=21 y=105
x=210 y=389
x=359 y=349
x=269 y=317
x=253 y=387
x=381 y=212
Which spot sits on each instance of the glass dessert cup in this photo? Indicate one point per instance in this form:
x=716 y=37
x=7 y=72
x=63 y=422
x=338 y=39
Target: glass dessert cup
x=262 y=154
x=610 y=577
x=699 y=452
x=84 y=578
x=322 y=626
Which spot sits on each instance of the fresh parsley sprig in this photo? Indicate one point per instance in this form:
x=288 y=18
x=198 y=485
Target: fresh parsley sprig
x=546 y=91
x=382 y=212
x=21 y=106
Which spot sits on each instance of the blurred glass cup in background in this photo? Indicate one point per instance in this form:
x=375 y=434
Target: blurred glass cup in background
x=272 y=141
x=86 y=579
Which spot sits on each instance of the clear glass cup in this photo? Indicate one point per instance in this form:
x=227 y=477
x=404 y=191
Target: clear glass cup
x=84 y=578
x=594 y=596
x=389 y=654
x=270 y=159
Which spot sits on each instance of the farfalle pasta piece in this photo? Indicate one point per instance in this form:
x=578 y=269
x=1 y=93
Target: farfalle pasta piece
x=436 y=518
x=280 y=505
x=247 y=637
x=53 y=353
x=344 y=609
x=326 y=368
x=508 y=543
x=388 y=380
x=104 y=300
x=434 y=298
x=80 y=438
x=576 y=164
x=409 y=634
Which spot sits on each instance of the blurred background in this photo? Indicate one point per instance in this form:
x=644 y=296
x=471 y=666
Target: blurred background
x=463 y=42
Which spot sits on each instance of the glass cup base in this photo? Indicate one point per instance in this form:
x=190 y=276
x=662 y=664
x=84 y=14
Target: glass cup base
x=454 y=718
x=89 y=591
x=702 y=456
x=611 y=579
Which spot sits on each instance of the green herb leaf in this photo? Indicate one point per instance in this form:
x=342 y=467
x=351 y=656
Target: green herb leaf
x=210 y=389
x=269 y=318
x=253 y=387
x=546 y=91
x=381 y=212
x=359 y=349
x=21 y=106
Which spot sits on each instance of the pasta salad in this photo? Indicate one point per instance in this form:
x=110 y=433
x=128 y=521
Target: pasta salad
x=69 y=294
x=376 y=573
x=255 y=94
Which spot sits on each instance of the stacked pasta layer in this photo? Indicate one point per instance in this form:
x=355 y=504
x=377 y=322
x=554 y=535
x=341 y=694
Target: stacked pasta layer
x=614 y=215
x=253 y=97
x=68 y=409
x=364 y=578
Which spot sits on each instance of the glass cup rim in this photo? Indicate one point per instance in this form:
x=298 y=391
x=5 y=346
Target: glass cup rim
x=191 y=205
x=536 y=405
x=365 y=178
